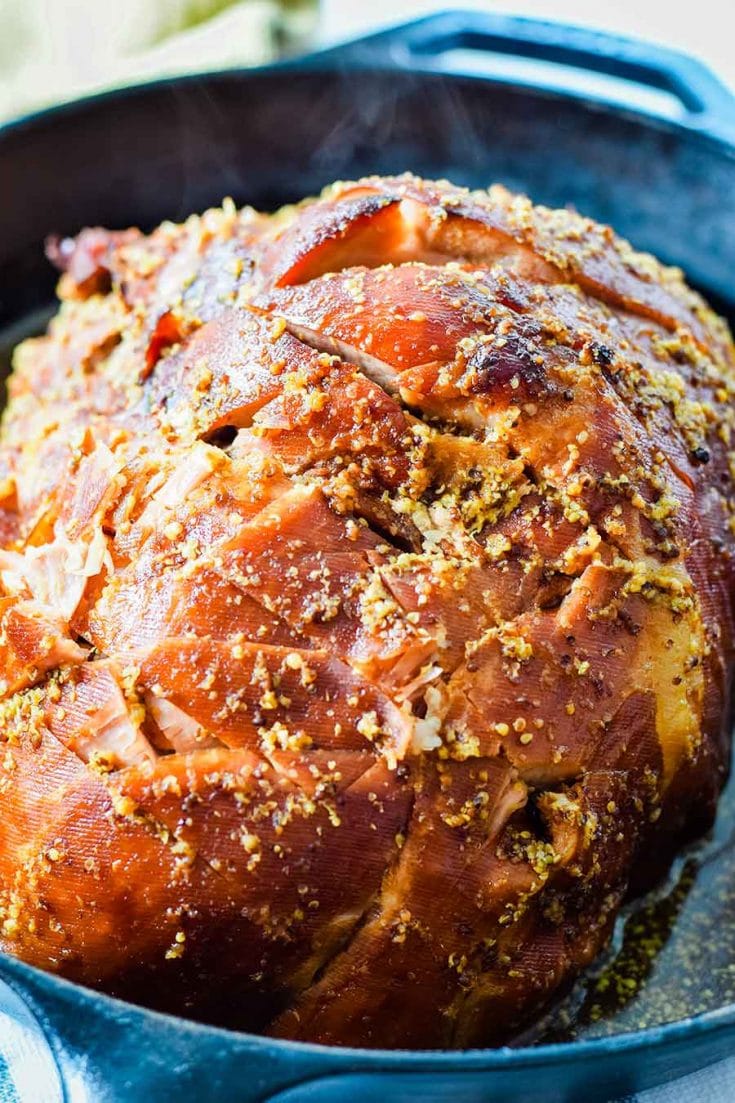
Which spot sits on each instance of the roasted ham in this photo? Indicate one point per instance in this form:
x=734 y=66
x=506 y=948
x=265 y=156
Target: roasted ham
x=366 y=579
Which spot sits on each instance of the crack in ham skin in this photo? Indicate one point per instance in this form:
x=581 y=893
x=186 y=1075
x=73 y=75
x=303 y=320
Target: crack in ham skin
x=366 y=609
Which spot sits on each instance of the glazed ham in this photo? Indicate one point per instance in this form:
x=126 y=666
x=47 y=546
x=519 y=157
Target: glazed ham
x=366 y=606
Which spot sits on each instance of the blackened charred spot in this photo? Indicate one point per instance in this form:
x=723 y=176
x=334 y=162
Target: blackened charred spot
x=602 y=355
x=700 y=455
x=510 y=367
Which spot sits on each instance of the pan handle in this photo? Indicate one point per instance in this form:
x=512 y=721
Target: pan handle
x=708 y=105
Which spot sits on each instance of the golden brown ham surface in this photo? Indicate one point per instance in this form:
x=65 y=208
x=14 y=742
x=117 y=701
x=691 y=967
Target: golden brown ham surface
x=366 y=592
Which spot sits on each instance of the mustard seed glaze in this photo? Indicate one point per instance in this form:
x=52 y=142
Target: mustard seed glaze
x=367 y=610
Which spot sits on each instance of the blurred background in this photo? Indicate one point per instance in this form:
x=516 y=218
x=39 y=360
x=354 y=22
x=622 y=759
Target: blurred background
x=52 y=50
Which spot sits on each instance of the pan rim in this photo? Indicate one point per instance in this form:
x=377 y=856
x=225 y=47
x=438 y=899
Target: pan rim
x=659 y=1037
x=315 y=66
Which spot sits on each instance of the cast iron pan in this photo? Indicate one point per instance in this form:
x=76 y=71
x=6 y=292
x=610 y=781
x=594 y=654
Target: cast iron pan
x=662 y=1003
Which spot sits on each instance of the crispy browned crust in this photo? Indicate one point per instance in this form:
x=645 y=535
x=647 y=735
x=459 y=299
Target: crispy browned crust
x=366 y=607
